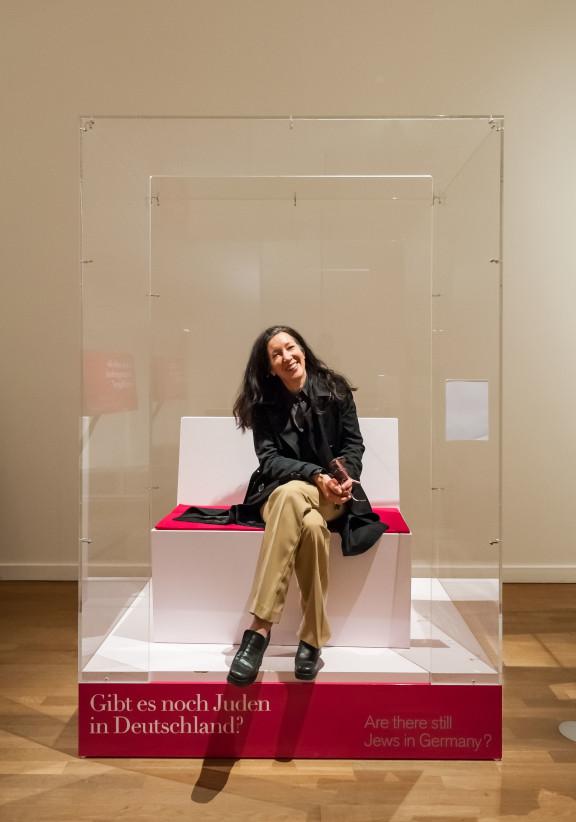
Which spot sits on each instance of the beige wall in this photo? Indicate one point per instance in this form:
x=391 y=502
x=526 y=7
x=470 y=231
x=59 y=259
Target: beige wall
x=69 y=57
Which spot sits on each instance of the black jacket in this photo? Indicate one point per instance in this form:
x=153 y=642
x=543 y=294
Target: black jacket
x=336 y=434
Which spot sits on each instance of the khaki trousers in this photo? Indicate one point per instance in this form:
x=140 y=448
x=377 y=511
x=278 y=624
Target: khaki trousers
x=297 y=539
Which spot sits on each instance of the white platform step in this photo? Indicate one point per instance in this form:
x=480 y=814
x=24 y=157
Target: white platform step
x=433 y=651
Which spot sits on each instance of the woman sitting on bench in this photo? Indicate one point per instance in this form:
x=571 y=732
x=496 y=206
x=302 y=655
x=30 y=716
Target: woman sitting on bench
x=303 y=416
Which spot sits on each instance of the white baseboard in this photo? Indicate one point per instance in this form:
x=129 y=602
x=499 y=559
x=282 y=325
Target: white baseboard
x=539 y=573
x=453 y=571
x=69 y=571
x=55 y=571
x=510 y=572
x=39 y=570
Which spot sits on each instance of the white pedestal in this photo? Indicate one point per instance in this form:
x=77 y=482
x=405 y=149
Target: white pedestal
x=202 y=580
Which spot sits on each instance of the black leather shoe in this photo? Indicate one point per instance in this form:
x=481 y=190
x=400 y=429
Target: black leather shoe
x=307 y=662
x=246 y=663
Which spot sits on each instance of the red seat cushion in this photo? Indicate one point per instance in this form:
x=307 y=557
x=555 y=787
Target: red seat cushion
x=391 y=516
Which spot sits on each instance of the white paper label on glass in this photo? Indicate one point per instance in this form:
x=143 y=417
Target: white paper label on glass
x=467 y=409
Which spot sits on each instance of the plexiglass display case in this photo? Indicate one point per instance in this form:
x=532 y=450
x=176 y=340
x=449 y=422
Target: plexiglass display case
x=379 y=239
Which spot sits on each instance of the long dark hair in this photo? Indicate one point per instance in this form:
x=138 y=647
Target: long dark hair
x=257 y=381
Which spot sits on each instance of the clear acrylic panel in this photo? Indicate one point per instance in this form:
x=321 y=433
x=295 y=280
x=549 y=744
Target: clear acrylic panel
x=197 y=234
x=230 y=257
x=115 y=566
x=466 y=373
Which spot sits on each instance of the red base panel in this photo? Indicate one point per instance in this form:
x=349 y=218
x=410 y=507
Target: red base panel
x=292 y=719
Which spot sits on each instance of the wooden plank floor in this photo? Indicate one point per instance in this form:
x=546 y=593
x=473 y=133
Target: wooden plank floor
x=41 y=777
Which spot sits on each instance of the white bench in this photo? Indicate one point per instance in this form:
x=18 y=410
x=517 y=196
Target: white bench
x=201 y=579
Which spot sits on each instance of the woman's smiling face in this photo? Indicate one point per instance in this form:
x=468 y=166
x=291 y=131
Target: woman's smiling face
x=287 y=361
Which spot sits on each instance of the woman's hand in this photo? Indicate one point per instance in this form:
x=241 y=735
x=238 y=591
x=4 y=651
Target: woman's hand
x=331 y=489
x=347 y=488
